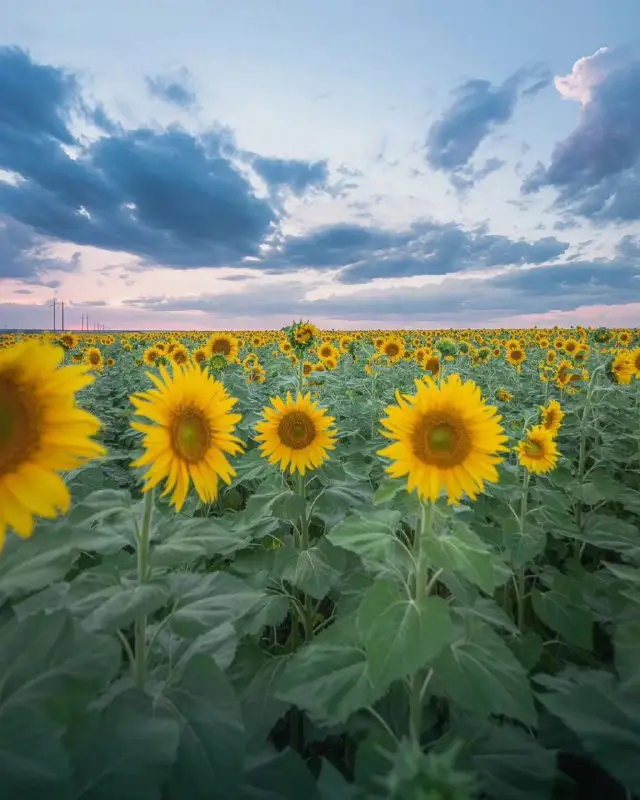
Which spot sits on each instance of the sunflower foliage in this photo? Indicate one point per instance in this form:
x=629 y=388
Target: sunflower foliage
x=299 y=624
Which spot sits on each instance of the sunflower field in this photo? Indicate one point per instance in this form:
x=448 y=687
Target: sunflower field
x=330 y=565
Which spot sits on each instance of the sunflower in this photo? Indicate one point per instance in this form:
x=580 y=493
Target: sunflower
x=68 y=341
x=551 y=356
x=516 y=356
x=111 y=362
x=327 y=350
x=256 y=374
x=621 y=368
x=295 y=434
x=42 y=433
x=305 y=332
x=223 y=344
x=393 y=348
x=199 y=355
x=552 y=416
x=443 y=437
x=634 y=356
x=151 y=355
x=92 y=356
x=431 y=363
x=192 y=434
x=504 y=396
x=571 y=346
x=538 y=452
x=179 y=355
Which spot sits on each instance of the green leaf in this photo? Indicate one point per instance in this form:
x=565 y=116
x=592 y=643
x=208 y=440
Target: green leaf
x=604 y=716
x=332 y=785
x=370 y=535
x=314 y=571
x=191 y=539
x=271 y=775
x=212 y=740
x=572 y=623
x=329 y=678
x=462 y=551
x=279 y=502
x=482 y=675
x=513 y=766
x=219 y=643
x=401 y=637
x=47 y=556
x=126 y=751
x=50 y=661
x=33 y=762
x=626 y=642
x=205 y=601
x=124 y=605
x=387 y=490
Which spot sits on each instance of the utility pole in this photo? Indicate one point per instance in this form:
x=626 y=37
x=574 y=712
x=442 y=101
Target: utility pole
x=54 y=313
x=62 y=304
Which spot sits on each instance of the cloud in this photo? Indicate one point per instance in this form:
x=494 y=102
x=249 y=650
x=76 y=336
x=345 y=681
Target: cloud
x=174 y=88
x=24 y=256
x=478 y=109
x=467 y=177
x=426 y=248
x=297 y=176
x=535 y=290
x=596 y=169
x=168 y=197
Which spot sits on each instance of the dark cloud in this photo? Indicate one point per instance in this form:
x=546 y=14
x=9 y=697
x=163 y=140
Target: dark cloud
x=174 y=88
x=478 y=109
x=596 y=169
x=167 y=197
x=427 y=248
x=297 y=176
x=536 y=290
x=24 y=256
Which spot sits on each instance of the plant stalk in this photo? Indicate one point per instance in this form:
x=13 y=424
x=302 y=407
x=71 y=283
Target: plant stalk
x=521 y=585
x=424 y=528
x=143 y=536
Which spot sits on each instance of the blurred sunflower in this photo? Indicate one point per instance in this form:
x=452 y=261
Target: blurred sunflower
x=192 y=433
x=151 y=355
x=621 y=368
x=92 y=356
x=443 y=437
x=634 y=357
x=42 y=433
x=538 y=452
x=295 y=434
x=223 y=344
x=552 y=416
x=504 y=396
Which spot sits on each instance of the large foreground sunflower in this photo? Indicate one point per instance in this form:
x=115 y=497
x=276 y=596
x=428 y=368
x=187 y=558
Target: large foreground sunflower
x=296 y=434
x=443 y=437
x=42 y=432
x=538 y=452
x=192 y=434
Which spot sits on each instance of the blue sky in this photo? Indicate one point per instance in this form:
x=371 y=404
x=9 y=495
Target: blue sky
x=365 y=164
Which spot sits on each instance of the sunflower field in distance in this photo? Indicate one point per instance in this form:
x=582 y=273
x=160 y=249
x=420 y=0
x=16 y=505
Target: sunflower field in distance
x=320 y=564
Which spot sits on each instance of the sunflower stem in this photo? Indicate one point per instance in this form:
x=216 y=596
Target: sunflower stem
x=582 y=462
x=143 y=535
x=521 y=584
x=304 y=545
x=424 y=528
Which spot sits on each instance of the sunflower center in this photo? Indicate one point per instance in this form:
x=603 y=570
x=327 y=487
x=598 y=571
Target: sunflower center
x=392 y=349
x=533 y=449
x=221 y=346
x=94 y=358
x=19 y=428
x=190 y=435
x=441 y=440
x=296 y=430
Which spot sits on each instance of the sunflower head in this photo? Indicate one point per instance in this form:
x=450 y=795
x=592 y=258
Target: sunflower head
x=552 y=416
x=191 y=434
x=295 y=434
x=444 y=437
x=538 y=451
x=42 y=433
